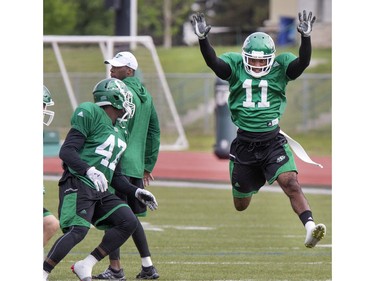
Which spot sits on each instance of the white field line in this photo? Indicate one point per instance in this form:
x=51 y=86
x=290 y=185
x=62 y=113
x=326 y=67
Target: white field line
x=242 y=263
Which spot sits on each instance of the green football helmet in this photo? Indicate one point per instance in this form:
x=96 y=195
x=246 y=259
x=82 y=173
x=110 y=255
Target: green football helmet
x=112 y=91
x=258 y=46
x=47 y=101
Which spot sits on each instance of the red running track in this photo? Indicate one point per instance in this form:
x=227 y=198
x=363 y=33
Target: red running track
x=206 y=167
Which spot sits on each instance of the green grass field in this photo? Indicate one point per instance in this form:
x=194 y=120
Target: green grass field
x=196 y=234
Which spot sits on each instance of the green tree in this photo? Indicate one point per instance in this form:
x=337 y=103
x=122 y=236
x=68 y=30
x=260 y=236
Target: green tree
x=151 y=18
x=163 y=20
x=94 y=19
x=59 y=16
x=71 y=17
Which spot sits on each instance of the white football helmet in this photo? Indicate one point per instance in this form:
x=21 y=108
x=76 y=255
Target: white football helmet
x=258 y=45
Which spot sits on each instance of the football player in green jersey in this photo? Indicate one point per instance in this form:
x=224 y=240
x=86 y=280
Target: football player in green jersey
x=50 y=222
x=91 y=155
x=257 y=100
x=138 y=161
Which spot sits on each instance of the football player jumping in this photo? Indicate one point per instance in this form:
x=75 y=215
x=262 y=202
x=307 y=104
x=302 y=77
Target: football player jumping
x=257 y=100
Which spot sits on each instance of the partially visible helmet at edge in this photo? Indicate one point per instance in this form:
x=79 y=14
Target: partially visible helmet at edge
x=47 y=101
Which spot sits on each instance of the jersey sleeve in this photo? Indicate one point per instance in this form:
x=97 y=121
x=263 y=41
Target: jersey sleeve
x=233 y=59
x=284 y=60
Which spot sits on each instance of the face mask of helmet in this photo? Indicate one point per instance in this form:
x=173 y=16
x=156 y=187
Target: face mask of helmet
x=258 y=46
x=47 y=116
x=128 y=106
x=47 y=101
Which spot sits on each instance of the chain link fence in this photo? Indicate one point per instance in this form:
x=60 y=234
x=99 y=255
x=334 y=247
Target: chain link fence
x=309 y=100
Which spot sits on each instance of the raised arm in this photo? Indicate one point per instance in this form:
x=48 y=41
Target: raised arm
x=201 y=29
x=296 y=67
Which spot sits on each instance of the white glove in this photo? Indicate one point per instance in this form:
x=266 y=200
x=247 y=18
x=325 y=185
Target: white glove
x=200 y=27
x=147 y=198
x=305 y=23
x=98 y=178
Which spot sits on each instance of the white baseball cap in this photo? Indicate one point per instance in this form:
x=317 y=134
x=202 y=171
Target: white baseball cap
x=123 y=59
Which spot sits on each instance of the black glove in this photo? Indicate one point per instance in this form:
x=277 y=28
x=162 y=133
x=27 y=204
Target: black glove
x=200 y=27
x=305 y=23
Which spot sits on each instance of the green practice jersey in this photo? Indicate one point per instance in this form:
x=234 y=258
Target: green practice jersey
x=257 y=104
x=105 y=143
x=144 y=132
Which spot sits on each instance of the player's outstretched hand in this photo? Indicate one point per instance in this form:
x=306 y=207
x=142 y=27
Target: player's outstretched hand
x=200 y=27
x=305 y=23
x=98 y=178
x=147 y=198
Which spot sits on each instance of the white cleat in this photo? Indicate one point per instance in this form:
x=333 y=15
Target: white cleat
x=315 y=235
x=82 y=271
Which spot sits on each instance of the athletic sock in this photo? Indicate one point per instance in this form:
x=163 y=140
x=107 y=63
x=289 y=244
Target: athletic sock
x=146 y=262
x=90 y=260
x=45 y=275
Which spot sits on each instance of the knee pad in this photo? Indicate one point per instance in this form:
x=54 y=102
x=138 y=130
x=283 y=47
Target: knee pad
x=129 y=225
x=78 y=233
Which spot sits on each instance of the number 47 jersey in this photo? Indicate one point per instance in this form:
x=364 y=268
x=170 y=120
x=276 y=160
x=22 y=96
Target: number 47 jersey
x=105 y=143
x=257 y=104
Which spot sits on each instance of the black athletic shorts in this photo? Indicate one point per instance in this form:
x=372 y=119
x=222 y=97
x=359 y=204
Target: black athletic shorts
x=254 y=163
x=82 y=205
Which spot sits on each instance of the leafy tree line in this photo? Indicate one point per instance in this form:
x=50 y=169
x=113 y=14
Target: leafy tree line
x=163 y=20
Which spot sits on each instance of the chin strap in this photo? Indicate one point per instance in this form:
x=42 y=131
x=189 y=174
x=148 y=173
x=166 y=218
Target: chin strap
x=299 y=151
